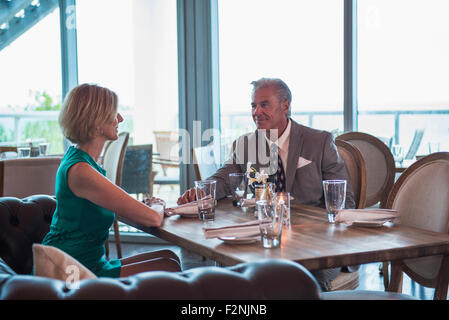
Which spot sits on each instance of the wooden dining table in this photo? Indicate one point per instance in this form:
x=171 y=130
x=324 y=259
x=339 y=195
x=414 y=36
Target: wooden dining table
x=311 y=240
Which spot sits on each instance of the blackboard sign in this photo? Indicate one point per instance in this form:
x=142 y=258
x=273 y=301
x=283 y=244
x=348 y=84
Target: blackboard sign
x=137 y=167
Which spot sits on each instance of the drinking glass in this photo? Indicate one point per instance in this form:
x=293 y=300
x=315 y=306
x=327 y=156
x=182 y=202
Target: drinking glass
x=398 y=153
x=43 y=149
x=237 y=182
x=334 y=197
x=270 y=214
x=434 y=146
x=24 y=152
x=205 y=195
x=264 y=191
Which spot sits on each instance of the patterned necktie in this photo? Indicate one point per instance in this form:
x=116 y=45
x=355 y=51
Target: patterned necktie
x=279 y=178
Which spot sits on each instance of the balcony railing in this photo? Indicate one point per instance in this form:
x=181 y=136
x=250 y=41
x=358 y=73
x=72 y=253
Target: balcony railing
x=308 y=118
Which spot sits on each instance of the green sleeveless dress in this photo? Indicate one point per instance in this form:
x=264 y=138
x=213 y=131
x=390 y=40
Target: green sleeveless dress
x=80 y=227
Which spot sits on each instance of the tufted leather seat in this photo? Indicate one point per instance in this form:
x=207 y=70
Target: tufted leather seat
x=24 y=222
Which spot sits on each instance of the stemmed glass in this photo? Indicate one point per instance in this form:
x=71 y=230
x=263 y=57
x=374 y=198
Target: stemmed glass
x=237 y=182
x=398 y=153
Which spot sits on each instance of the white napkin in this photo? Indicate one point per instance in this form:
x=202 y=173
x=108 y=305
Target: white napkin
x=238 y=230
x=187 y=208
x=249 y=202
x=349 y=216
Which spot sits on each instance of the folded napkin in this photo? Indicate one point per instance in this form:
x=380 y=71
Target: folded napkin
x=187 y=208
x=252 y=202
x=249 y=202
x=349 y=216
x=238 y=230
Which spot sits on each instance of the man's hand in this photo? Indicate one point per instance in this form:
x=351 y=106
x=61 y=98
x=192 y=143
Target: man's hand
x=188 y=196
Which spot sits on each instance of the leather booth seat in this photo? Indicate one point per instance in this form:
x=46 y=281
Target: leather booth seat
x=26 y=221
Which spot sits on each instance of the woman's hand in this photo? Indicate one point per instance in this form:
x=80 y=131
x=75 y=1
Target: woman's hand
x=155 y=203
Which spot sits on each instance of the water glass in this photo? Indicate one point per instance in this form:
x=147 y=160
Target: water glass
x=237 y=182
x=334 y=197
x=270 y=214
x=205 y=194
x=398 y=153
x=434 y=146
x=43 y=149
x=24 y=152
x=264 y=191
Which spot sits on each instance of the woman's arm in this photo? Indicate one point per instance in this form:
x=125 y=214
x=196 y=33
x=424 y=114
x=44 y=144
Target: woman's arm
x=85 y=182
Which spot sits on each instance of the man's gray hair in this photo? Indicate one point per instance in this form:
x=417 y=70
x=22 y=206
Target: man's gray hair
x=283 y=93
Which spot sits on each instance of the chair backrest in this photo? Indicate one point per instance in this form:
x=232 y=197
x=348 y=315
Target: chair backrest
x=421 y=195
x=355 y=165
x=113 y=156
x=23 y=177
x=137 y=169
x=204 y=161
x=379 y=162
x=166 y=142
x=8 y=152
x=8 y=149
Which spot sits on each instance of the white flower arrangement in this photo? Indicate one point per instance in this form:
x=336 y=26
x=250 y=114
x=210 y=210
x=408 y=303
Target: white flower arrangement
x=254 y=176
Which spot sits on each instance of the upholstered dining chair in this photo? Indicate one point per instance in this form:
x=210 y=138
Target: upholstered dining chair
x=22 y=177
x=167 y=157
x=355 y=165
x=204 y=161
x=138 y=175
x=112 y=161
x=8 y=149
x=8 y=152
x=421 y=196
x=379 y=162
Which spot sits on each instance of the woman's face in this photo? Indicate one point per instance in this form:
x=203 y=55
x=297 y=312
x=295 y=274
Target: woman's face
x=110 y=130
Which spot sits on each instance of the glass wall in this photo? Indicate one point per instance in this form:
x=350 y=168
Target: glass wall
x=30 y=87
x=403 y=71
x=300 y=42
x=131 y=48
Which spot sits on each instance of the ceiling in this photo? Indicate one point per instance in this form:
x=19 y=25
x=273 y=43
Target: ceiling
x=18 y=16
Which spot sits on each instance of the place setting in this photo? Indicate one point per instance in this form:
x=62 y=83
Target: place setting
x=335 y=197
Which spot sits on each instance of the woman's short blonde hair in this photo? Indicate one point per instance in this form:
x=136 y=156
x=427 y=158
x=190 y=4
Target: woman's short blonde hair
x=86 y=108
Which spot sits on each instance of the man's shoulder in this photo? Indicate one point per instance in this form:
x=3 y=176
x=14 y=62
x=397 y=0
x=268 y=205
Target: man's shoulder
x=308 y=132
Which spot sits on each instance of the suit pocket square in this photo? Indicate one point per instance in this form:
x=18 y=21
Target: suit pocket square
x=302 y=162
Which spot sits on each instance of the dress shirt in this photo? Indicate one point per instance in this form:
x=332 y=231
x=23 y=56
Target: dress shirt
x=282 y=143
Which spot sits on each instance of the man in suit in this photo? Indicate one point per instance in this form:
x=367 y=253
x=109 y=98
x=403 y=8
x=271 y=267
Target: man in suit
x=308 y=156
x=296 y=157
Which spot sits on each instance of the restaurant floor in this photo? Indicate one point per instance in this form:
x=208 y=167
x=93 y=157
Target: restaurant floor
x=370 y=277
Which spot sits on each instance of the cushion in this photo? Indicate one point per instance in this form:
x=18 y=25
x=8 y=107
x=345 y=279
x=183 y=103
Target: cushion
x=54 y=263
x=5 y=269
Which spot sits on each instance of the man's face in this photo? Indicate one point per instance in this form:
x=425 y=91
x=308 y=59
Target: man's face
x=268 y=113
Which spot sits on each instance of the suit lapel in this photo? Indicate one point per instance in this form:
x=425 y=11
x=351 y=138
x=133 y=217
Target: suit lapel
x=294 y=151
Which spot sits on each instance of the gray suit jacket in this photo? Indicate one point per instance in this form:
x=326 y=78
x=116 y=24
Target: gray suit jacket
x=312 y=158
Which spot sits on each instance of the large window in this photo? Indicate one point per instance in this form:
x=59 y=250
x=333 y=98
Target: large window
x=130 y=47
x=30 y=87
x=300 y=42
x=403 y=71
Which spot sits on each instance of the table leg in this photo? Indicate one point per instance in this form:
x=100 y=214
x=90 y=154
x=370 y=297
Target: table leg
x=396 y=276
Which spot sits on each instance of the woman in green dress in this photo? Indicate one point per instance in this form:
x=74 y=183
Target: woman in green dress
x=86 y=201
